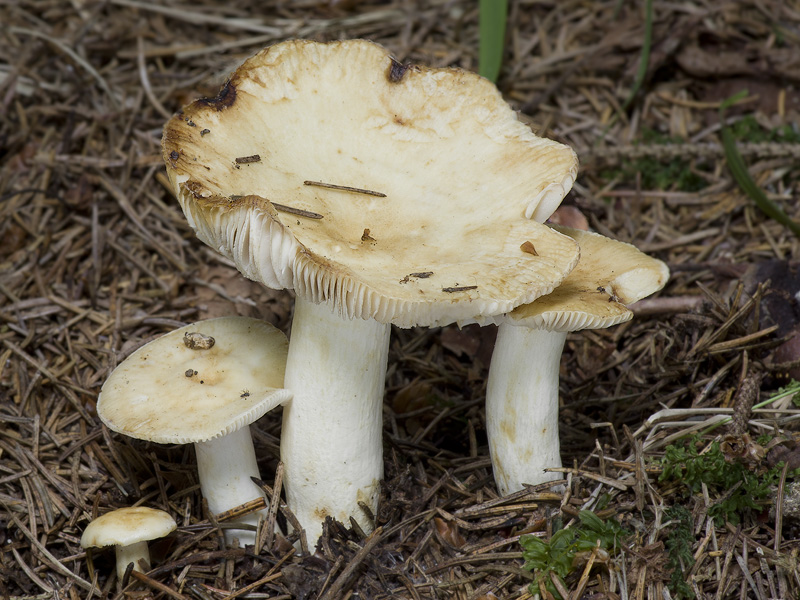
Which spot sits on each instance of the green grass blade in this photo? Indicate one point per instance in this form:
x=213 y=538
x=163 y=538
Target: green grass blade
x=791 y=389
x=742 y=176
x=492 y=34
x=644 y=58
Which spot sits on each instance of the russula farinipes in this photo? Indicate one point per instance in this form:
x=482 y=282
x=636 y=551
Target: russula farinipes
x=382 y=194
x=128 y=530
x=522 y=388
x=204 y=384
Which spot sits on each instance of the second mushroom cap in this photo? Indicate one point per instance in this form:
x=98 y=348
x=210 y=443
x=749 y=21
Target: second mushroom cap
x=184 y=388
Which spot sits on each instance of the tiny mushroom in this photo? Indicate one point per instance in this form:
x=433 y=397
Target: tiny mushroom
x=522 y=388
x=129 y=530
x=381 y=194
x=204 y=384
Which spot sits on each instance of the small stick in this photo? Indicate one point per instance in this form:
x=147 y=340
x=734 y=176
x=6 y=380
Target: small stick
x=295 y=524
x=345 y=188
x=420 y=275
x=463 y=288
x=148 y=581
x=357 y=529
x=243 y=509
x=296 y=211
x=367 y=510
x=246 y=160
x=666 y=305
x=339 y=583
x=273 y=507
x=252 y=586
x=334 y=568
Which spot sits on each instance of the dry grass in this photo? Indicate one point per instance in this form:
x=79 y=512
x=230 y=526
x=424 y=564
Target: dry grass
x=96 y=259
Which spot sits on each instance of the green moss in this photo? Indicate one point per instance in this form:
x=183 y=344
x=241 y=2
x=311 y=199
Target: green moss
x=742 y=488
x=679 y=550
x=747 y=129
x=657 y=174
x=685 y=174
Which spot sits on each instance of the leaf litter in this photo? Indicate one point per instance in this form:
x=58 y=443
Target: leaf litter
x=96 y=259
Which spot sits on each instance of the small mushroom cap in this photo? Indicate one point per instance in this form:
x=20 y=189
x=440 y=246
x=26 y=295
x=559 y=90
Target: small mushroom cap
x=126 y=526
x=457 y=173
x=610 y=275
x=180 y=389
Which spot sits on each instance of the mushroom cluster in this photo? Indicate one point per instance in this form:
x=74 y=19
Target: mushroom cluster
x=381 y=194
x=204 y=384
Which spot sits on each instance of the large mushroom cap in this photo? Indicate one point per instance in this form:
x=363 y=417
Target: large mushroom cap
x=609 y=276
x=183 y=388
x=126 y=526
x=454 y=175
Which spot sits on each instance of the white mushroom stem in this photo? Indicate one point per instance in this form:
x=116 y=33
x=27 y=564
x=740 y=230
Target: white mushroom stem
x=331 y=440
x=132 y=553
x=522 y=406
x=225 y=466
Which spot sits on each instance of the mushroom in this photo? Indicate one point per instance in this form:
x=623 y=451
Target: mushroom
x=128 y=529
x=522 y=388
x=381 y=194
x=204 y=384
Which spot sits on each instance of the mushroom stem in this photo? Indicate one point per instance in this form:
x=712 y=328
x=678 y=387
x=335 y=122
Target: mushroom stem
x=225 y=465
x=522 y=406
x=132 y=553
x=331 y=440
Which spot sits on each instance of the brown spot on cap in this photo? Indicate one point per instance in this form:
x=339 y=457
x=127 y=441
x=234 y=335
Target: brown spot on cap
x=225 y=99
x=396 y=71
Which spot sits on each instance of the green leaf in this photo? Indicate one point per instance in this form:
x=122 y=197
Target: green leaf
x=535 y=551
x=732 y=100
x=557 y=555
x=492 y=33
x=591 y=520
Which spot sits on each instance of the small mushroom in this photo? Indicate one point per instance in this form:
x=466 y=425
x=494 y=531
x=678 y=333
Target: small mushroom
x=407 y=170
x=522 y=388
x=182 y=388
x=128 y=530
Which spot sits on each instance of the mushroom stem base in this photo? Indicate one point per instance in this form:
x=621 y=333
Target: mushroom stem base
x=225 y=466
x=132 y=553
x=331 y=440
x=522 y=406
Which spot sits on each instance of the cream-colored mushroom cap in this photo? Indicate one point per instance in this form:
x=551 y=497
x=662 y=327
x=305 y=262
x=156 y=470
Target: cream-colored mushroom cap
x=126 y=526
x=439 y=178
x=610 y=275
x=183 y=388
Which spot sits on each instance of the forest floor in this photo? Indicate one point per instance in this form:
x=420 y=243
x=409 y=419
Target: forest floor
x=673 y=432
